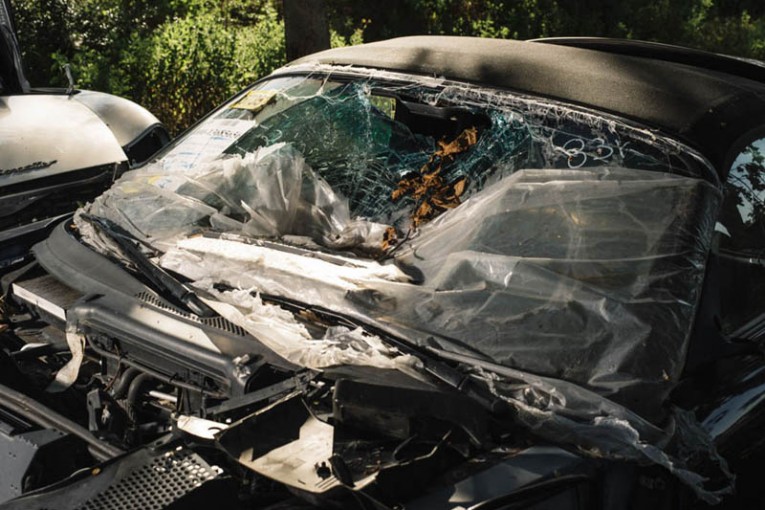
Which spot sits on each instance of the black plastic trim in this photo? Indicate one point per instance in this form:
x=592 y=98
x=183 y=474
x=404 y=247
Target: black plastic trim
x=142 y=148
x=82 y=269
x=142 y=342
x=34 y=411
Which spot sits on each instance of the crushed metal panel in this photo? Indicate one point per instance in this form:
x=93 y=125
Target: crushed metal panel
x=286 y=443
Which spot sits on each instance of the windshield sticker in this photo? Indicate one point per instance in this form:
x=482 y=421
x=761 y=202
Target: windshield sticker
x=205 y=144
x=385 y=104
x=255 y=100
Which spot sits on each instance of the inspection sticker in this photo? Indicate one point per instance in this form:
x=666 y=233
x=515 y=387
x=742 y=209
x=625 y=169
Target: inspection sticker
x=255 y=100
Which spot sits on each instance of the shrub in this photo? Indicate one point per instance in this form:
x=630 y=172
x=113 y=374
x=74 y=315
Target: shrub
x=190 y=65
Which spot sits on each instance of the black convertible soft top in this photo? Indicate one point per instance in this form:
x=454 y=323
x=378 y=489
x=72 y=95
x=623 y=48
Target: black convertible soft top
x=709 y=109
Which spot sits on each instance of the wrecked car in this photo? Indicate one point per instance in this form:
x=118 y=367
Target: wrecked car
x=59 y=148
x=430 y=272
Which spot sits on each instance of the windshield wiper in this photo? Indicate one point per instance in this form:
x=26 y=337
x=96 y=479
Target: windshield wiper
x=160 y=278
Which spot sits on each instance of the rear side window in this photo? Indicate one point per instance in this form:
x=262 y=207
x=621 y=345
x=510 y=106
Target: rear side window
x=742 y=243
x=744 y=216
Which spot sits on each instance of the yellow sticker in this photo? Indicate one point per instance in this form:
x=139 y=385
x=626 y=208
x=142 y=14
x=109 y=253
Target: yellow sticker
x=385 y=104
x=255 y=100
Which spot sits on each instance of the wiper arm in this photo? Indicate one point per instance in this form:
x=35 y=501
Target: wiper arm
x=158 y=276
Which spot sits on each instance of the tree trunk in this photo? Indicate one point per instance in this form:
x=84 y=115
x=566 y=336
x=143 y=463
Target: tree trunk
x=305 y=27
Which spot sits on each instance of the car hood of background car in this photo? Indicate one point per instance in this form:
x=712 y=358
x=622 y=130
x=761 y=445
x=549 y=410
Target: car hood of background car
x=45 y=135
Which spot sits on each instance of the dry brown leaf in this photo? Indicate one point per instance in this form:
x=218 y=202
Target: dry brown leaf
x=390 y=237
x=459 y=187
x=463 y=142
x=428 y=189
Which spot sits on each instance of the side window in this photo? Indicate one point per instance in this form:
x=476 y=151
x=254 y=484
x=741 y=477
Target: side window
x=742 y=244
x=745 y=223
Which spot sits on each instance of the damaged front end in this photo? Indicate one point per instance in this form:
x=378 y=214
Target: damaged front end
x=363 y=289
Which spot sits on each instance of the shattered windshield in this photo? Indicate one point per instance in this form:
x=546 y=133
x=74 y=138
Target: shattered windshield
x=536 y=235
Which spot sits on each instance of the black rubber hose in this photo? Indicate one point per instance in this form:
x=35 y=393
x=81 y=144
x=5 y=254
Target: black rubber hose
x=45 y=417
x=121 y=388
x=137 y=387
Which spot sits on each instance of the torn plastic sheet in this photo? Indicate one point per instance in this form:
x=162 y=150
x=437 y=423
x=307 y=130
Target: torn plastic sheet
x=564 y=276
x=562 y=412
x=605 y=436
x=586 y=271
x=277 y=329
x=587 y=276
x=67 y=375
x=268 y=193
x=590 y=276
x=338 y=273
x=362 y=154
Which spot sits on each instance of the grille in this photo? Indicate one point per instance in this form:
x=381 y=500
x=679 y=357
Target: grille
x=223 y=324
x=155 y=485
x=211 y=322
x=154 y=301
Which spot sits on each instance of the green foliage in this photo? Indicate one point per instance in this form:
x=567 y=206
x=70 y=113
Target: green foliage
x=743 y=35
x=259 y=49
x=336 y=40
x=190 y=65
x=184 y=68
x=181 y=57
x=734 y=27
x=488 y=18
x=44 y=28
